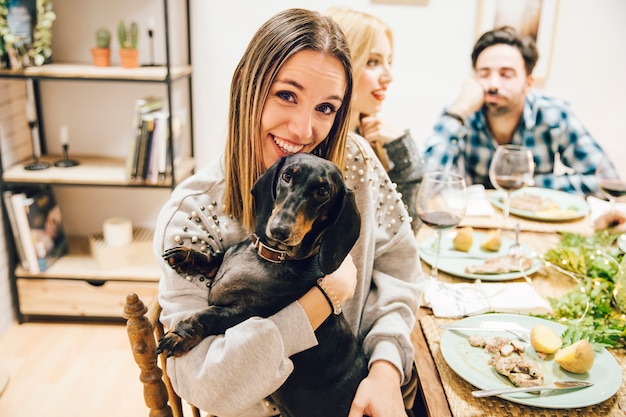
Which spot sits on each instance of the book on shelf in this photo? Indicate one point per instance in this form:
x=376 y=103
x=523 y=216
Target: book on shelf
x=141 y=136
x=158 y=156
x=19 y=245
x=40 y=227
x=145 y=138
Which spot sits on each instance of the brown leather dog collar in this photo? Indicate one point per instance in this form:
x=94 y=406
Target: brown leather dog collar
x=267 y=253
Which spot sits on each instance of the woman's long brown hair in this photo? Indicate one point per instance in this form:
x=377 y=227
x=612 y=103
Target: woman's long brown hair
x=282 y=36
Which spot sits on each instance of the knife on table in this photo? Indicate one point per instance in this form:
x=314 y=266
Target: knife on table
x=554 y=386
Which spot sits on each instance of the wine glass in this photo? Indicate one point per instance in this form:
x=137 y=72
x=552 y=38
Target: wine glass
x=511 y=169
x=609 y=182
x=441 y=203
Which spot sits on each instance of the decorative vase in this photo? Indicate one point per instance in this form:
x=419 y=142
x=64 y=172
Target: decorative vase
x=101 y=57
x=129 y=58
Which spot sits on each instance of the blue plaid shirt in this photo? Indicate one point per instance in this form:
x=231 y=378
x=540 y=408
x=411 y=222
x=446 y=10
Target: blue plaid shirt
x=548 y=128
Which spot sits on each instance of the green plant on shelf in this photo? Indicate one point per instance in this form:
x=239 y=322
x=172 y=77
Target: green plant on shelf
x=103 y=38
x=127 y=35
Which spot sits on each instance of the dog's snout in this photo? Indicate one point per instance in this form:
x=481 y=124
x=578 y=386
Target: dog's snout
x=280 y=232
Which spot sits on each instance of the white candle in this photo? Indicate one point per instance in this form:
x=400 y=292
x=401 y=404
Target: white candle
x=30 y=112
x=151 y=23
x=63 y=135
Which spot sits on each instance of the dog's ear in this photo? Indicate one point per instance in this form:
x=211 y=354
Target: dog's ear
x=263 y=201
x=341 y=235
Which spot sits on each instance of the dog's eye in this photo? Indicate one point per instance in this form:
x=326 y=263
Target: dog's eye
x=286 y=177
x=323 y=191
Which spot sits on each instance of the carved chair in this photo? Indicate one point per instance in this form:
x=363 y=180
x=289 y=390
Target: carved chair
x=144 y=330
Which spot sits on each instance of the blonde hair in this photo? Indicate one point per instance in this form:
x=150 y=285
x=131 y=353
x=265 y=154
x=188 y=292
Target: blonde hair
x=361 y=30
x=283 y=35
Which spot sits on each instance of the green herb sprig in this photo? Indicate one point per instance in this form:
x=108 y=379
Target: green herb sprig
x=598 y=264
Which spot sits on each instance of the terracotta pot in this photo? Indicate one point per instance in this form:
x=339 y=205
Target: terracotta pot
x=129 y=58
x=101 y=57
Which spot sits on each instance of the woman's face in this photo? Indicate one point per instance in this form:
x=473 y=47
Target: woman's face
x=373 y=81
x=301 y=106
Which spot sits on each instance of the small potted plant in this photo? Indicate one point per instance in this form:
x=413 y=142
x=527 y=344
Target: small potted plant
x=102 y=52
x=127 y=36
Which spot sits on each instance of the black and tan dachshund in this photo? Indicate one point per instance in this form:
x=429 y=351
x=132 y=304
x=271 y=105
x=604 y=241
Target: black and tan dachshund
x=306 y=224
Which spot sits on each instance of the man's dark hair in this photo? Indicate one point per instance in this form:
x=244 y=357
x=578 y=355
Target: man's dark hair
x=508 y=36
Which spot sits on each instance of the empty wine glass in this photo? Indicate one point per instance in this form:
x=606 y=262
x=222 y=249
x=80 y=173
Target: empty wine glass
x=441 y=203
x=511 y=169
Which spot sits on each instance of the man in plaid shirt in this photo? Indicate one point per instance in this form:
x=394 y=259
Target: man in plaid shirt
x=497 y=106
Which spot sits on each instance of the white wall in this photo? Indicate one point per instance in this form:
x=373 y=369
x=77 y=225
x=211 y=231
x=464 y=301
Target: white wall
x=432 y=58
x=433 y=46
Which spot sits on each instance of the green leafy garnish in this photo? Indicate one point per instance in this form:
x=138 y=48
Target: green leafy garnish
x=588 y=309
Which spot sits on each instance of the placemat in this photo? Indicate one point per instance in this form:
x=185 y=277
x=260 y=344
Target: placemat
x=462 y=404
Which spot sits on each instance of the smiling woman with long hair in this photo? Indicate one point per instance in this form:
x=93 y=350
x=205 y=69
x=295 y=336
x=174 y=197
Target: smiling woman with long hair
x=291 y=93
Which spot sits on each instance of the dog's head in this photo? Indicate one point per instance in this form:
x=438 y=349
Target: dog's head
x=303 y=207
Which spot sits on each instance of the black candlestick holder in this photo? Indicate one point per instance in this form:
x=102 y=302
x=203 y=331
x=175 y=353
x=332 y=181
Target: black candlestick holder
x=66 y=162
x=36 y=165
x=151 y=38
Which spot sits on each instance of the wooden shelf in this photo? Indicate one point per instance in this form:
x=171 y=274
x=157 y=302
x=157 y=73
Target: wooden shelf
x=93 y=170
x=90 y=72
x=79 y=264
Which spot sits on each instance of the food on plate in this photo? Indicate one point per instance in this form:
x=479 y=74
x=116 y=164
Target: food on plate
x=532 y=202
x=544 y=339
x=497 y=345
x=464 y=239
x=507 y=359
x=577 y=358
x=492 y=241
x=557 y=213
x=500 y=265
x=521 y=371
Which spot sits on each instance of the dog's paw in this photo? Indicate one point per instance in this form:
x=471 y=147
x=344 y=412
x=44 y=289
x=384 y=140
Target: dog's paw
x=181 y=340
x=186 y=261
x=173 y=344
x=179 y=258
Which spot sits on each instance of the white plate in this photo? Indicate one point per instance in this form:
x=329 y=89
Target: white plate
x=454 y=262
x=571 y=206
x=470 y=363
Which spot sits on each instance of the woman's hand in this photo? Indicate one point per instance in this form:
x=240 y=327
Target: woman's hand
x=375 y=130
x=379 y=394
x=343 y=281
x=340 y=285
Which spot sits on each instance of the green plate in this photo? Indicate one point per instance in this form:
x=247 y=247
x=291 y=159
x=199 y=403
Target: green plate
x=470 y=363
x=454 y=262
x=572 y=205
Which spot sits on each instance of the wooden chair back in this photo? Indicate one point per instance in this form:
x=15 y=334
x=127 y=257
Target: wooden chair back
x=144 y=330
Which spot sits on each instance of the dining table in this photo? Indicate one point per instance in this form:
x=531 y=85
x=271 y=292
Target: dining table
x=444 y=393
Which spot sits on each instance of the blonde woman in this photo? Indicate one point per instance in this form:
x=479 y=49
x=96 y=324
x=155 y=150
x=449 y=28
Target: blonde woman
x=371 y=46
x=291 y=93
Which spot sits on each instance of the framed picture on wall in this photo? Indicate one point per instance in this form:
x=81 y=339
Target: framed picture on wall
x=26 y=28
x=534 y=18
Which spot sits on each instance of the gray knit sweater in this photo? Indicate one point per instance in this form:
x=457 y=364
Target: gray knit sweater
x=232 y=374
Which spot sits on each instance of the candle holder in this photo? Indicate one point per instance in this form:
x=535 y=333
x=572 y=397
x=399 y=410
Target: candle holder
x=36 y=165
x=66 y=162
x=151 y=39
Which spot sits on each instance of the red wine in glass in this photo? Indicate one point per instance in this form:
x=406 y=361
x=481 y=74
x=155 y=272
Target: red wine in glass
x=615 y=188
x=440 y=220
x=509 y=182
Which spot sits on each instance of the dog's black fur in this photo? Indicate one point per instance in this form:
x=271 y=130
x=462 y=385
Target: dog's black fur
x=304 y=209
